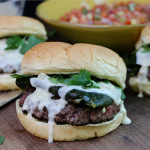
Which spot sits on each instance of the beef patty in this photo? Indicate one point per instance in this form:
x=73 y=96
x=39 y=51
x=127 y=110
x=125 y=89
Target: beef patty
x=72 y=113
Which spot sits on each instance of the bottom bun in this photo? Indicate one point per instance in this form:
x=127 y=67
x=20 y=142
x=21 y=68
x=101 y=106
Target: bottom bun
x=134 y=85
x=8 y=84
x=67 y=132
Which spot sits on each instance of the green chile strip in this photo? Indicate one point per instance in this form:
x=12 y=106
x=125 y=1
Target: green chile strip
x=75 y=96
x=23 y=83
x=89 y=98
x=54 y=90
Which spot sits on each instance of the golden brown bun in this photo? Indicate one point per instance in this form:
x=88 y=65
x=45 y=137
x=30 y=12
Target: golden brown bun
x=19 y=25
x=8 y=84
x=67 y=132
x=134 y=85
x=144 y=37
x=63 y=58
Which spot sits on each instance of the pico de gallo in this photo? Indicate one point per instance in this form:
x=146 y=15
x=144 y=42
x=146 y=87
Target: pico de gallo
x=123 y=13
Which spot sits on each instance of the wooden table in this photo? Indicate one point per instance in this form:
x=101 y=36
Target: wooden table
x=131 y=137
x=126 y=137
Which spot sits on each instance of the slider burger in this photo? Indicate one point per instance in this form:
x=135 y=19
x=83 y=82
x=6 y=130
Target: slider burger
x=18 y=34
x=72 y=92
x=141 y=83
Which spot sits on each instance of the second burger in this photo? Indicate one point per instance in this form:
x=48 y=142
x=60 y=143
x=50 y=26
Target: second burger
x=18 y=34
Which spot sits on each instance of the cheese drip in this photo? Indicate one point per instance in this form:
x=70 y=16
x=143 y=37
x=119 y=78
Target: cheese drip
x=143 y=60
x=4 y=76
x=10 y=60
x=42 y=97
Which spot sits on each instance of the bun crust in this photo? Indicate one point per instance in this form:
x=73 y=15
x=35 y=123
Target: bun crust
x=134 y=85
x=19 y=25
x=144 y=37
x=63 y=58
x=8 y=83
x=67 y=132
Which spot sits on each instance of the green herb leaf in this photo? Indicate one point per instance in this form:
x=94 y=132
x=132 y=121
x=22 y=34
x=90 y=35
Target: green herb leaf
x=32 y=41
x=1 y=139
x=14 y=42
x=26 y=44
x=54 y=80
x=85 y=74
x=122 y=95
x=146 y=48
x=134 y=52
x=83 y=79
x=20 y=76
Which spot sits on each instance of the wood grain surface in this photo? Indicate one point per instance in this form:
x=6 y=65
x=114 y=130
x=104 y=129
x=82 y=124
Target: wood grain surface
x=126 y=137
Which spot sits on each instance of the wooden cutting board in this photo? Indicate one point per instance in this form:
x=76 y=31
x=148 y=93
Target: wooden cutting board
x=126 y=137
x=6 y=97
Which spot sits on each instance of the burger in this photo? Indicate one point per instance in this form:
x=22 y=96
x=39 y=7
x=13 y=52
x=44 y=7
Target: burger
x=17 y=35
x=72 y=92
x=141 y=83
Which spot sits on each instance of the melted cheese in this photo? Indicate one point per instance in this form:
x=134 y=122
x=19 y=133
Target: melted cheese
x=5 y=75
x=125 y=120
x=143 y=60
x=10 y=60
x=107 y=89
x=42 y=97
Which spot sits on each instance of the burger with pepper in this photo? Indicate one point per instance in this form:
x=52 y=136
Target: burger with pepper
x=72 y=92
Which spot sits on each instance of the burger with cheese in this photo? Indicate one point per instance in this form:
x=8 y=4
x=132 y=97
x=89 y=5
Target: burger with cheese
x=72 y=92
x=141 y=83
x=18 y=34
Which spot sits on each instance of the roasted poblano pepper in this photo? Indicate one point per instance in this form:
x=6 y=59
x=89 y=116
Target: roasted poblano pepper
x=23 y=83
x=75 y=96
x=89 y=98
x=54 y=90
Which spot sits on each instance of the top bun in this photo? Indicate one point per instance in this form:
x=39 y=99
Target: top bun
x=63 y=58
x=144 y=37
x=19 y=25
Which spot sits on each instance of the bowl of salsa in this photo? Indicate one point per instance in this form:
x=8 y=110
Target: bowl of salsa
x=115 y=24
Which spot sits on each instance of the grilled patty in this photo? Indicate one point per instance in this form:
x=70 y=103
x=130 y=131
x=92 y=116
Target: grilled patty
x=74 y=114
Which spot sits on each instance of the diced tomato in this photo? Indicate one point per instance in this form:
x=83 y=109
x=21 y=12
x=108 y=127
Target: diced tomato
x=128 y=22
x=104 y=14
x=112 y=17
x=123 y=13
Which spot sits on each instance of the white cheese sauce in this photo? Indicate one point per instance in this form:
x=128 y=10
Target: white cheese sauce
x=107 y=89
x=42 y=97
x=5 y=75
x=10 y=60
x=143 y=60
x=125 y=120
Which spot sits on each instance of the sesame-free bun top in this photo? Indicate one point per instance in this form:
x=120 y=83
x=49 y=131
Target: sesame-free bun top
x=63 y=58
x=144 y=37
x=19 y=25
